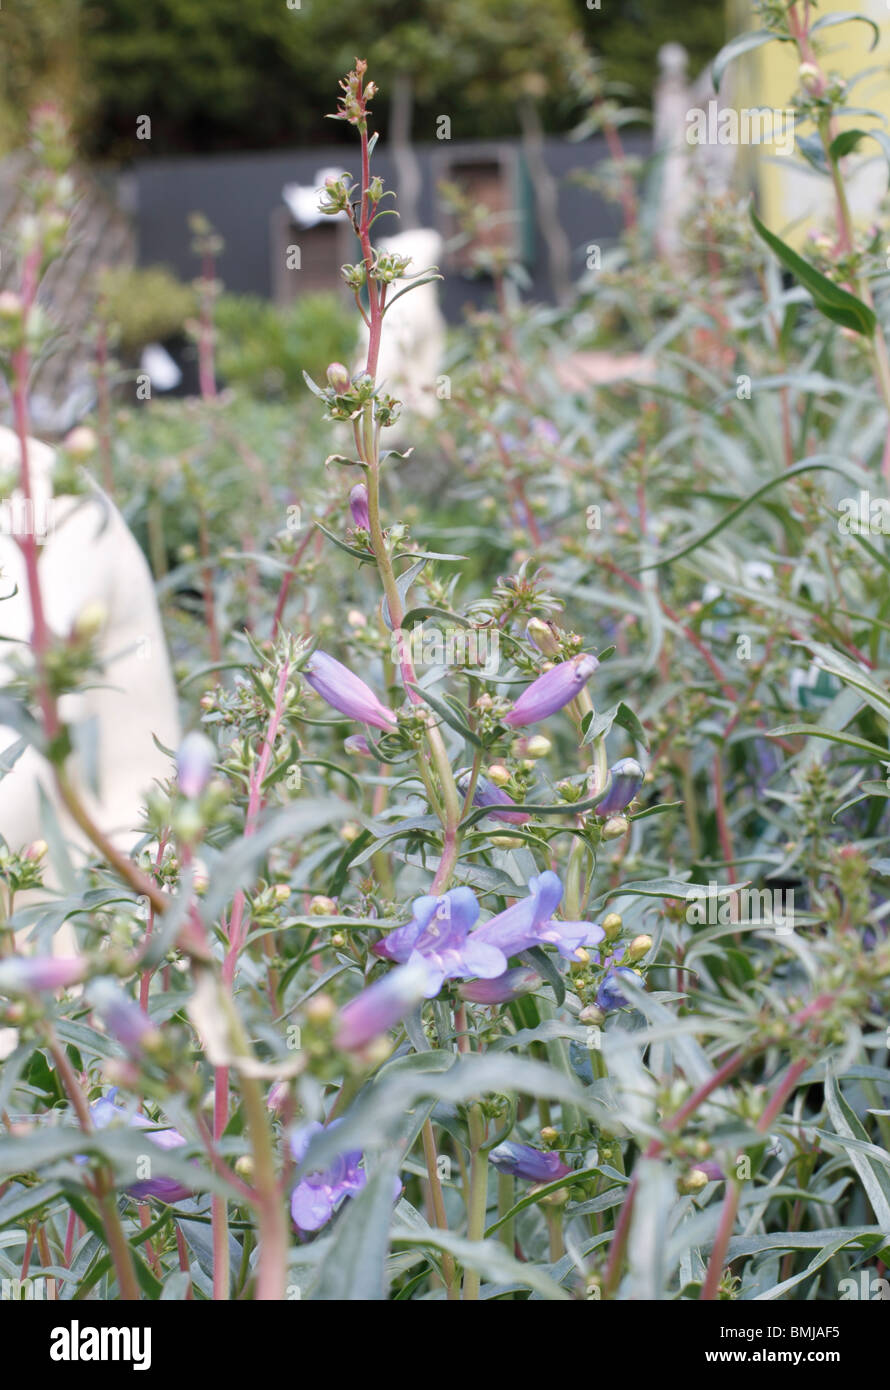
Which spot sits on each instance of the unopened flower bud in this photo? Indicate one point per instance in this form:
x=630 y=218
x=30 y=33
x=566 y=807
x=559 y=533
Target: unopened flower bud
x=36 y=850
x=811 y=79
x=358 y=505
x=90 y=620
x=338 y=378
x=244 y=1166
x=320 y=1008
x=543 y=636
x=615 y=827
x=639 y=947
x=537 y=747
x=321 y=906
x=549 y=1134
x=498 y=774
x=591 y=1016
x=693 y=1181
x=611 y=925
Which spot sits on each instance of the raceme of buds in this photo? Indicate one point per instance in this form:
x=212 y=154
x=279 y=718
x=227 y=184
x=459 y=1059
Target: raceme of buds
x=626 y=779
x=31 y=974
x=346 y=692
x=552 y=691
x=194 y=763
x=358 y=505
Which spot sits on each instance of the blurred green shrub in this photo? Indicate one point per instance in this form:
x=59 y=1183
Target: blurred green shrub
x=145 y=305
x=266 y=349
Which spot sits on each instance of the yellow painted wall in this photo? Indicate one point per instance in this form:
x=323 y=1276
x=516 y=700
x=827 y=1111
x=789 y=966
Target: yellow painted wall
x=794 y=200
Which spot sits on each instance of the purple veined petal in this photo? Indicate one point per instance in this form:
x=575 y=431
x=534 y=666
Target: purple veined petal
x=455 y=913
x=483 y=960
x=358 y=505
x=567 y=937
x=317 y=1195
x=382 y=1005
x=516 y=928
x=397 y=945
x=486 y=794
x=501 y=990
x=594 y=935
x=311 y=1206
x=626 y=780
x=31 y=974
x=194 y=763
x=346 y=692
x=552 y=691
x=524 y=1161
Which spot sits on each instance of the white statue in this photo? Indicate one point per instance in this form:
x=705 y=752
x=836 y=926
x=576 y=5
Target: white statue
x=93 y=576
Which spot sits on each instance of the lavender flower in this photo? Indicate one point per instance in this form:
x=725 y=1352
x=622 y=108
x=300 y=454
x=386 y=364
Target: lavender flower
x=382 y=1005
x=524 y=1161
x=358 y=505
x=345 y=692
x=487 y=794
x=502 y=990
x=31 y=974
x=105 y=1112
x=627 y=778
x=438 y=935
x=194 y=763
x=123 y=1018
x=358 y=745
x=609 y=994
x=316 y=1196
x=531 y=923
x=550 y=692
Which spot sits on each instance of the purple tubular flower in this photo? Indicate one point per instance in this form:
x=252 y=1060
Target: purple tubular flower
x=123 y=1017
x=609 y=994
x=438 y=935
x=382 y=1005
x=627 y=778
x=194 y=763
x=531 y=923
x=316 y=1196
x=524 y=1161
x=511 y=985
x=488 y=795
x=550 y=692
x=104 y=1112
x=346 y=693
x=358 y=505
x=358 y=745
x=31 y=974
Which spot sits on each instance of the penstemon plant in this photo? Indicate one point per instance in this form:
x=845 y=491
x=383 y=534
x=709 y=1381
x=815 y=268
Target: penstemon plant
x=433 y=974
